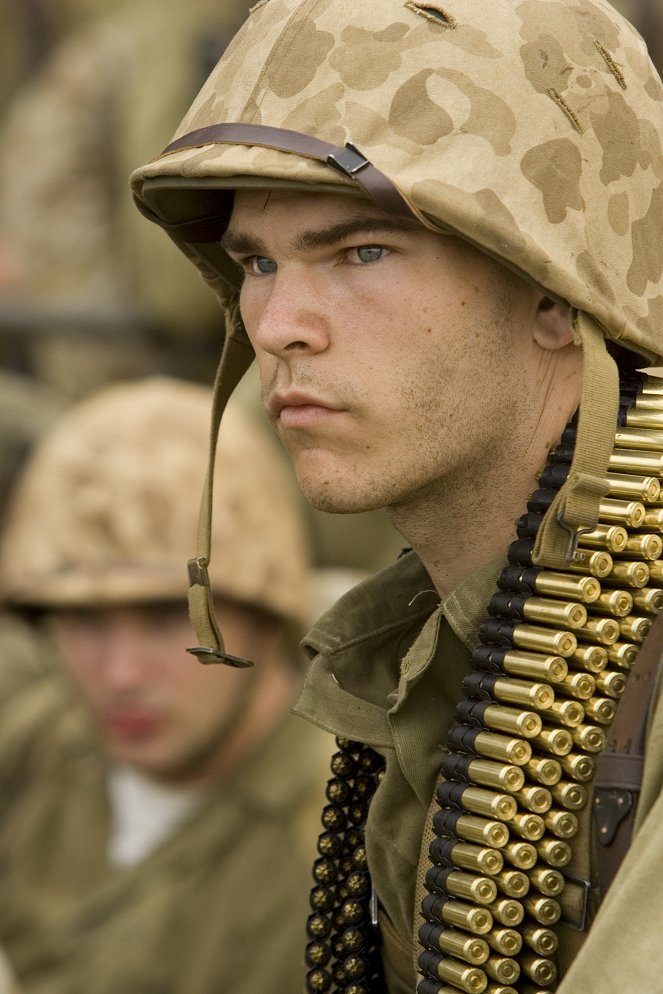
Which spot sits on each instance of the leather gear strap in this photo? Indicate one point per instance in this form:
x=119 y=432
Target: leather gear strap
x=620 y=766
x=348 y=160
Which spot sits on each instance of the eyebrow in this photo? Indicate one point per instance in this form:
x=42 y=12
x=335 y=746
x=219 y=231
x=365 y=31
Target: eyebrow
x=243 y=243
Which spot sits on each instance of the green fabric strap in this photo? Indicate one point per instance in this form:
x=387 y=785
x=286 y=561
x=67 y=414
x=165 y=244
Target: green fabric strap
x=575 y=508
x=236 y=358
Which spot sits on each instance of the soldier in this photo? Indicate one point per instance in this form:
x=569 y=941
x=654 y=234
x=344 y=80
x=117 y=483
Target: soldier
x=438 y=226
x=156 y=817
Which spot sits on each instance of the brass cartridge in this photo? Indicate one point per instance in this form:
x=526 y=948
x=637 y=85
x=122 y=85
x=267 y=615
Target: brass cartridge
x=578 y=766
x=527 y=724
x=539 y=969
x=636 y=461
x=644 y=418
x=497 y=989
x=592 y=658
x=612 y=683
x=528 y=826
x=629 y=513
x=602 y=630
x=470 y=979
x=580 y=588
x=654 y=519
x=656 y=572
x=610 y=538
x=446 y=851
x=647 y=546
x=476 y=920
x=545 y=771
x=536 y=799
x=617 y=603
x=543 y=941
x=591 y=738
x=601 y=710
x=477 y=800
x=524 y=693
x=547 y=880
x=545 y=910
x=512 y=883
x=564 y=614
x=580 y=686
x=571 y=796
x=643 y=488
x=522 y=855
x=635 y=438
x=555 y=852
x=635 y=628
x=505 y=941
x=623 y=655
x=490 y=833
x=467 y=886
x=493 y=746
x=557 y=741
x=563 y=824
x=507 y=912
x=535 y=666
x=568 y=713
x=630 y=574
x=649 y=401
x=648 y=599
x=651 y=387
x=502 y=969
x=501 y=776
x=470 y=948
x=559 y=643
x=598 y=564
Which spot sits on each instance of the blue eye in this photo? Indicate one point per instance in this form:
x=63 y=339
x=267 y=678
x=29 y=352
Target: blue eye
x=369 y=253
x=263 y=265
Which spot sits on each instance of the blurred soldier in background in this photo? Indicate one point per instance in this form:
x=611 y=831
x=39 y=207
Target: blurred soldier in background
x=156 y=816
x=91 y=297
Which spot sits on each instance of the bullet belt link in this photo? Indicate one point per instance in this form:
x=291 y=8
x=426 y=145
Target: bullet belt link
x=556 y=650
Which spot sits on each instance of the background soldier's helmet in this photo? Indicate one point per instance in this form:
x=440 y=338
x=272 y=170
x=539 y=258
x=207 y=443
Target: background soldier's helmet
x=531 y=128
x=106 y=510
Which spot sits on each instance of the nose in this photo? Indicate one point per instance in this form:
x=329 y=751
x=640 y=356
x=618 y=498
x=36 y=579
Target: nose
x=289 y=314
x=122 y=657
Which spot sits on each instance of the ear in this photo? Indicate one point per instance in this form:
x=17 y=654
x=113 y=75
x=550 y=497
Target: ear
x=553 y=325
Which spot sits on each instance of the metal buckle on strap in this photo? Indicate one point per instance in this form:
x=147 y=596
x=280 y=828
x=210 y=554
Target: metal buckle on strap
x=348 y=160
x=579 y=925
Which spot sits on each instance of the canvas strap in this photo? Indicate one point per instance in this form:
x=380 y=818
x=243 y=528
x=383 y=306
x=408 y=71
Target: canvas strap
x=236 y=358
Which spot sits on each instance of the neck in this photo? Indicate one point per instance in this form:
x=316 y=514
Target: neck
x=464 y=522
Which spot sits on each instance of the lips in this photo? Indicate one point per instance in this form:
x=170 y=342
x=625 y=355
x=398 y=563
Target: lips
x=296 y=404
x=131 y=724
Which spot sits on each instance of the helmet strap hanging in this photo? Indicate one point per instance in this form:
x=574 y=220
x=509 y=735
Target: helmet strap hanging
x=236 y=358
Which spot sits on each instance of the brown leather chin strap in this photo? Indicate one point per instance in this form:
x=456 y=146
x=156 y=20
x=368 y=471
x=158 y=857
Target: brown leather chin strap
x=349 y=161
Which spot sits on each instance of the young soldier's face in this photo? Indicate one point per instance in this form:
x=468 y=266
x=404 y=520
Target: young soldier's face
x=156 y=708
x=395 y=362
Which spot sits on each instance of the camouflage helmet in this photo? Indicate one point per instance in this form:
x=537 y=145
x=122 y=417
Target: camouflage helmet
x=105 y=512
x=531 y=128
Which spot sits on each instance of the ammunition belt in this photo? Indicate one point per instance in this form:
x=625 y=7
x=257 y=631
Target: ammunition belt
x=554 y=657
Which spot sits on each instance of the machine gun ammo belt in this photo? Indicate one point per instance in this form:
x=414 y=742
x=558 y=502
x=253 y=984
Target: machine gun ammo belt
x=535 y=734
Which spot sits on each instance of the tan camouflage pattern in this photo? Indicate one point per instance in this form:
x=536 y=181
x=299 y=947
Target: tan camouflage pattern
x=106 y=511
x=534 y=128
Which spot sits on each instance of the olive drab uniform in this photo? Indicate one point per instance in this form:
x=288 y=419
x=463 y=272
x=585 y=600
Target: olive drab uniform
x=535 y=132
x=71 y=923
